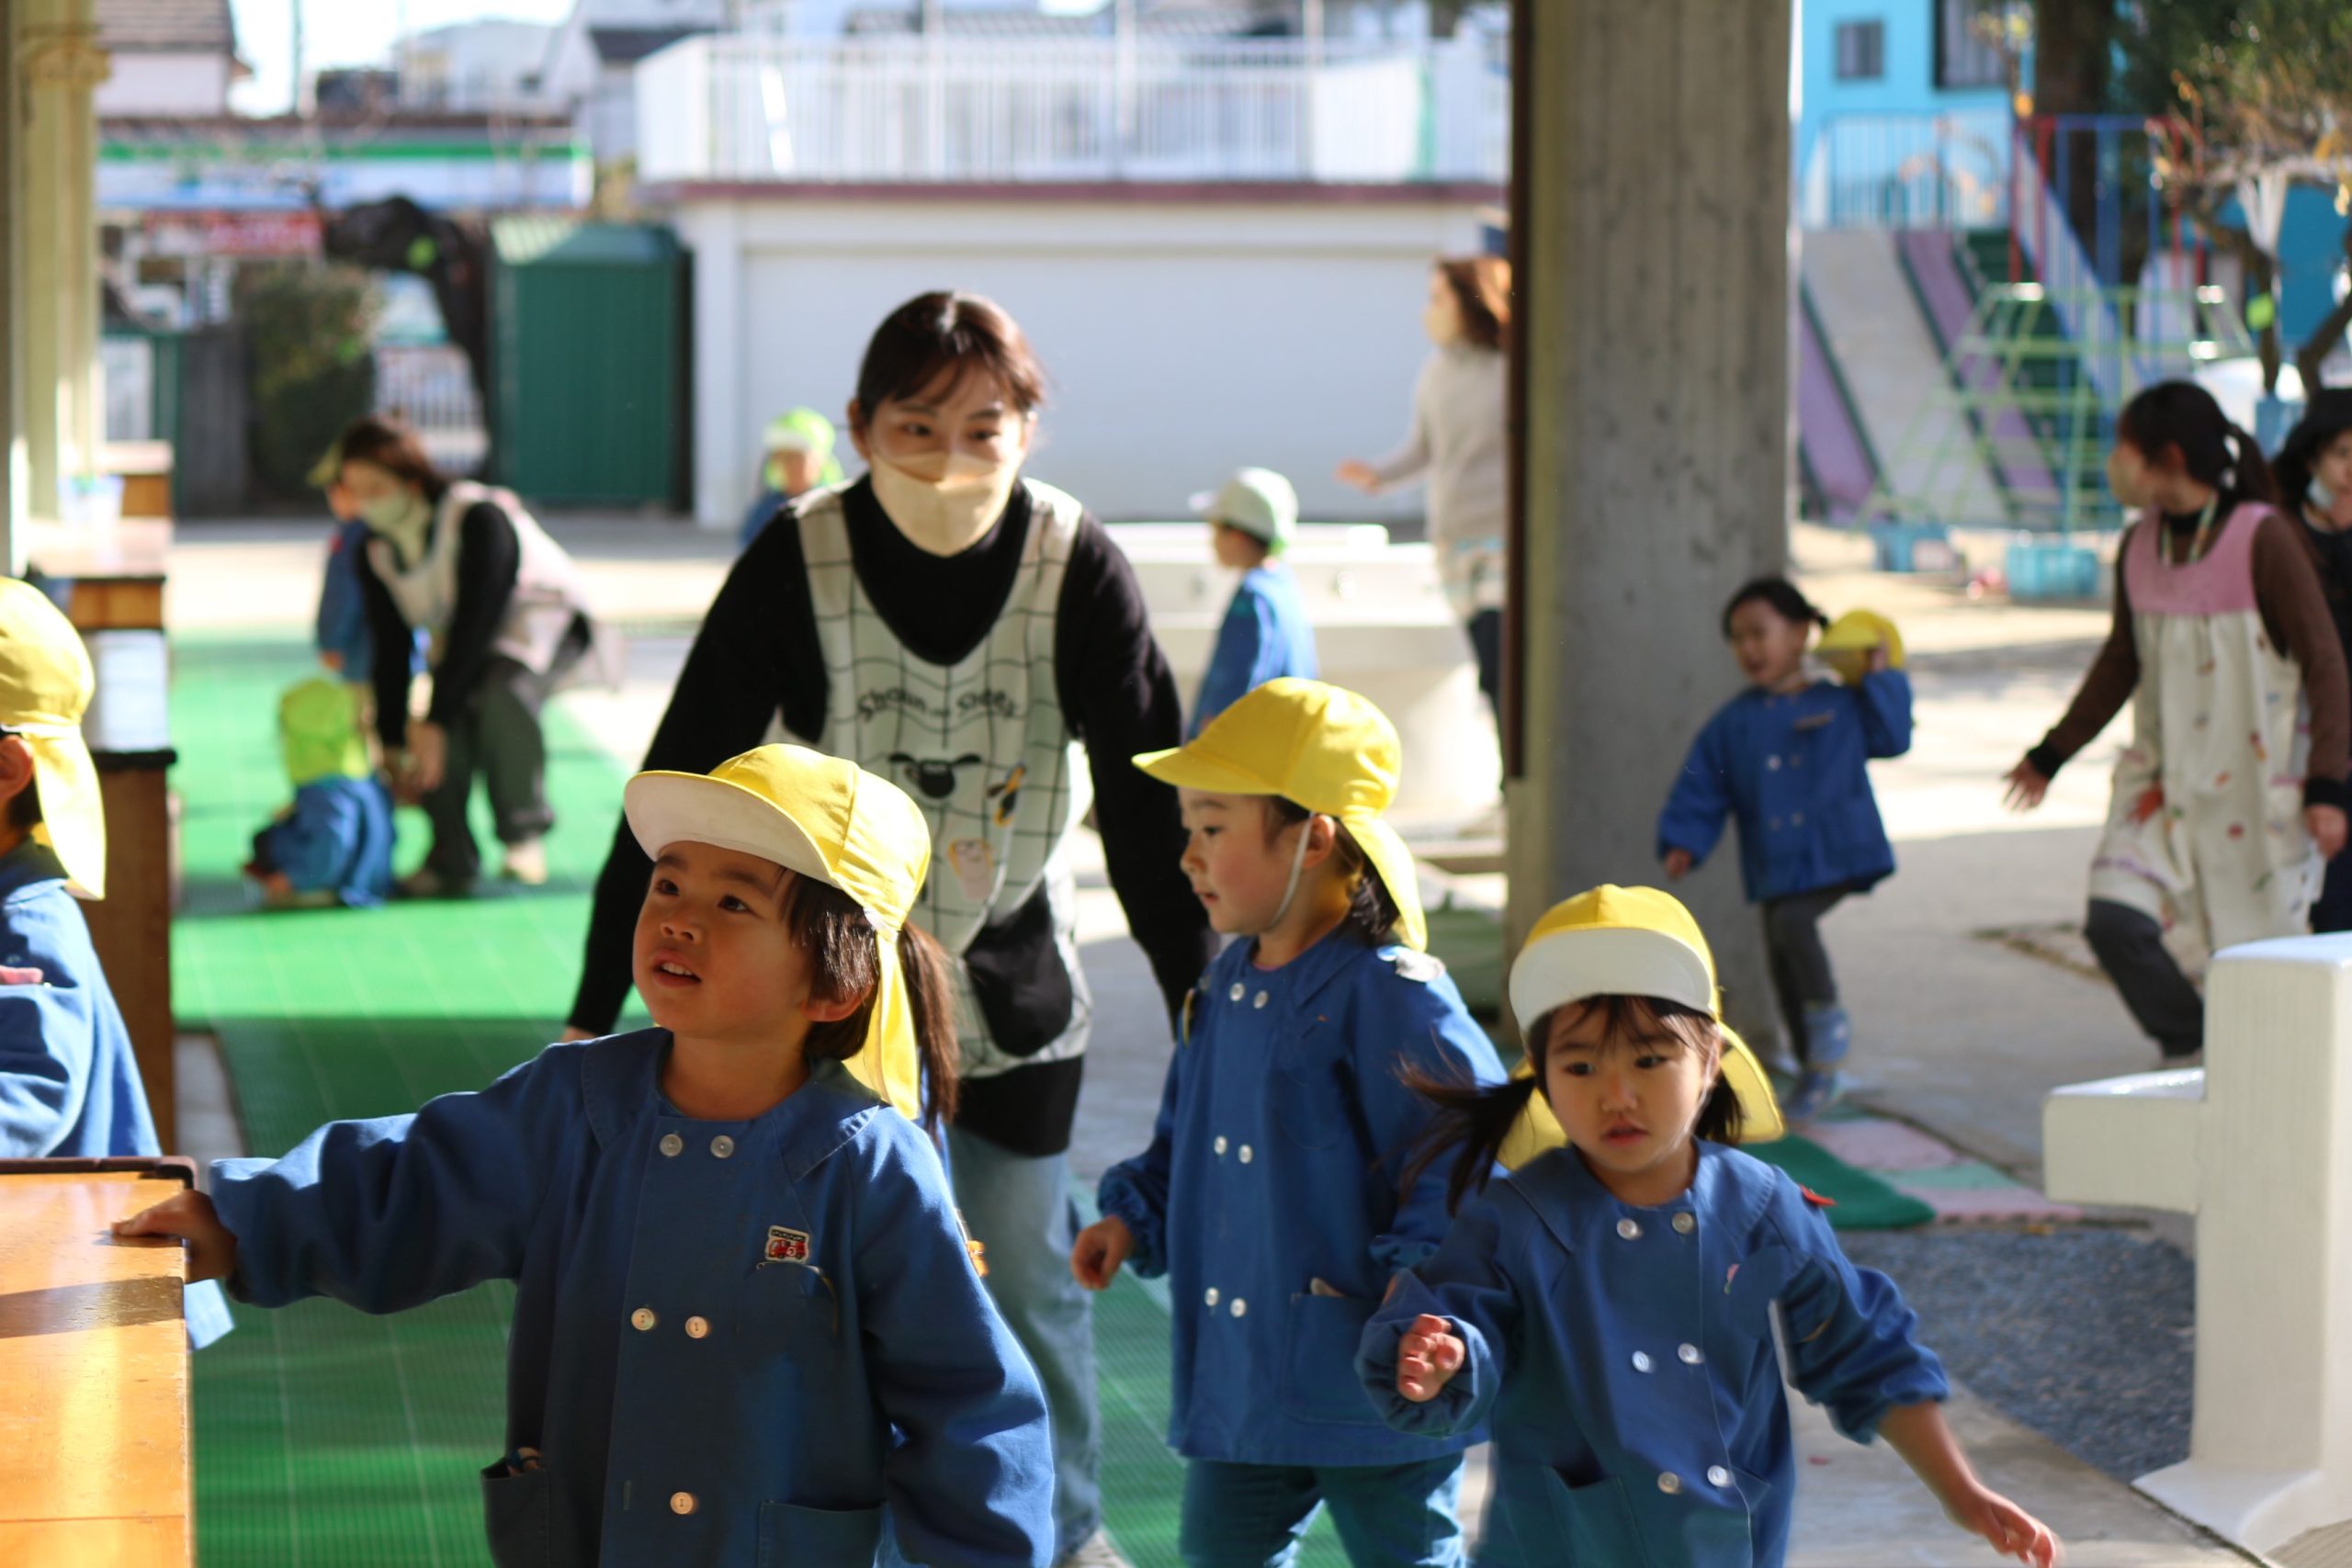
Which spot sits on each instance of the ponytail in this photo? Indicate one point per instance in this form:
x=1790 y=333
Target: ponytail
x=931 y=998
x=845 y=960
x=1372 y=913
x=2213 y=451
x=1472 y=1123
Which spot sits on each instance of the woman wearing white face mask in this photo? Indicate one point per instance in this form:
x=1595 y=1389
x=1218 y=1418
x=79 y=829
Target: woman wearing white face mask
x=498 y=600
x=1458 y=444
x=974 y=636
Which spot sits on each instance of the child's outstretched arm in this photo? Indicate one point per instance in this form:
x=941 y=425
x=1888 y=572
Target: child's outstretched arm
x=1920 y=1434
x=388 y=1213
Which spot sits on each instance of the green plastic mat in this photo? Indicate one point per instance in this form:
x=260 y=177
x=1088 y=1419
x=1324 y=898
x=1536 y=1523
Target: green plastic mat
x=1860 y=1200
x=324 y=1437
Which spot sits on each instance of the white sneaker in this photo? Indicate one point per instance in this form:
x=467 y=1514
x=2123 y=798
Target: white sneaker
x=1094 y=1551
x=526 y=862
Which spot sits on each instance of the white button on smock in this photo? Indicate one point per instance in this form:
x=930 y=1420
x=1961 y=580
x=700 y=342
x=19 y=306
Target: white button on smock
x=642 y=1319
x=1689 y=1354
x=1239 y=1306
x=1718 y=1476
x=1628 y=1228
x=697 y=1329
x=1209 y=1295
x=672 y=1144
x=721 y=1146
x=1640 y=1361
x=1669 y=1484
x=1685 y=1222
x=1235 y=993
x=1220 y=1146
x=1247 y=1155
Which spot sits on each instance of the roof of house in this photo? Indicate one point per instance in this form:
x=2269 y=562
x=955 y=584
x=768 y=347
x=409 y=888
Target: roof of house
x=1214 y=19
x=174 y=26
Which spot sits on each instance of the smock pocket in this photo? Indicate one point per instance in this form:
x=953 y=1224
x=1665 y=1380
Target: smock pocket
x=1308 y=1106
x=516 y=1511
x=1019 y=983
x=1318 y=1380
x=782 y=1306
x=1593 y=1523
x=818 y=1538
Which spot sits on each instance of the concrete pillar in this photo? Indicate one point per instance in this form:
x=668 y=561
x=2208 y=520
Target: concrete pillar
x=1652 y=231
x=14 y=478
x=725 y=435
x=59 y=63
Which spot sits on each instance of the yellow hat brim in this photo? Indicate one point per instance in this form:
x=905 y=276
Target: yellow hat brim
x=1858 y=631
x=1384 y=848
x=1190 y=767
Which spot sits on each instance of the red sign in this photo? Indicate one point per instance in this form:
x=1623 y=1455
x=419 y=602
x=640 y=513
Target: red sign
x=233 y=233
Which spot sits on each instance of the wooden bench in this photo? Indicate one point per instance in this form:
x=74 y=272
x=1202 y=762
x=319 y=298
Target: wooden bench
x=94 y=1370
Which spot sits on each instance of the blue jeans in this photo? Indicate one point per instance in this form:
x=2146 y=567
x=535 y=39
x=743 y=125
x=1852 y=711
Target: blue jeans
x=1019 y=1210
x=1251 y=1515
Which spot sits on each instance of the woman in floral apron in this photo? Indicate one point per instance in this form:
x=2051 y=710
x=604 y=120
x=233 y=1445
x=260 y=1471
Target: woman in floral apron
x=2231 y=797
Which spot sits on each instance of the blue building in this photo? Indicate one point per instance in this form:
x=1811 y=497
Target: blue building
x=1903 y=114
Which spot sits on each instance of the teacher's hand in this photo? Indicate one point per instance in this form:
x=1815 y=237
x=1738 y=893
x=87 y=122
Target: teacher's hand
x=428 y=757
x=2027 y=785
x=2326 y=823
x=1355 y=472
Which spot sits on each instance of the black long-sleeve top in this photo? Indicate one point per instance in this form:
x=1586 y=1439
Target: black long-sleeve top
x=490 y=562
x=758 y=653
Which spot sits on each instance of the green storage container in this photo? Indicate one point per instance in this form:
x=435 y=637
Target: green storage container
x=589 y=330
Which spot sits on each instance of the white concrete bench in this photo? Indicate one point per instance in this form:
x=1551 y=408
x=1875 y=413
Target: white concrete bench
x=2258 y=1146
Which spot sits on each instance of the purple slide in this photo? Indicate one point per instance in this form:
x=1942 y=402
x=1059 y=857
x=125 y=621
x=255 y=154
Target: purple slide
x=1934 y=266
x=1829 y=441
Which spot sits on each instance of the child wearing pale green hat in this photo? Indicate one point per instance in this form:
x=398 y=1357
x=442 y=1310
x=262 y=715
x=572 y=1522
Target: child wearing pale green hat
x=796 y=456
x=333 y=844
x=1265 y=634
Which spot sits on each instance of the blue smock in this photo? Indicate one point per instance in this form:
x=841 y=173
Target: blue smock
x=69 y=1080
x=1791 y=768
x=1275 y=1164
x=1264 y=635
x=733 y=1342
x=336 y=838
x=1625 y=1356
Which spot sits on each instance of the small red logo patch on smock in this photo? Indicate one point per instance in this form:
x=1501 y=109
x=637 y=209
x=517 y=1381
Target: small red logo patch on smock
x=787 y=1247
x=1816 y=1199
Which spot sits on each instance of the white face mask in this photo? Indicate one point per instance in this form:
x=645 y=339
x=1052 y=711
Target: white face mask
x=403 y=517
x=944 y=502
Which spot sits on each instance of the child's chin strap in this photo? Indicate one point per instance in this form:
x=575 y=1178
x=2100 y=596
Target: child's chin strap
x=1297 y=865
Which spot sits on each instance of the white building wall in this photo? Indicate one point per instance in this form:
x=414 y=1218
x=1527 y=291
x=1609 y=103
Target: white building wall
x=1183 y=339
x=165 y=85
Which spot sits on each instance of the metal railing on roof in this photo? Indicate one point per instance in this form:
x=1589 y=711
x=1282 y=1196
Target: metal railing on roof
x=734 y=108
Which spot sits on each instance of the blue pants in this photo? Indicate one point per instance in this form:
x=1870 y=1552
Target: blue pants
x=1019 y=1210
x=1251 y=1515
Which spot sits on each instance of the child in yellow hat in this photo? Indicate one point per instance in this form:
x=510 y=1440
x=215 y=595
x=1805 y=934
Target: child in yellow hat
x=1270 y=1195
x=1788 y=759
x=69 y=1079
x=1618 y=1308
x=747 y=1323
x=333 y=843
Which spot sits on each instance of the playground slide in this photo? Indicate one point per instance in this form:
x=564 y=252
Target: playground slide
x=1829 y=444
x=1894 y=375
x=1933 y=262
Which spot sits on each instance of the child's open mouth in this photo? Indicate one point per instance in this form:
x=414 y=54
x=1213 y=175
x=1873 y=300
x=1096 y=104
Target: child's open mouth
x=1624 y=1133
x=667 y=970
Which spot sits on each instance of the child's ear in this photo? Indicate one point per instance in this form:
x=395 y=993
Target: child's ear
x=856 y=426
x=1322 y=838
x=832 y=1010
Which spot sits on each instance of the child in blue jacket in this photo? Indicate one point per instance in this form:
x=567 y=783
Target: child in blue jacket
x=1265 y=634
x=70 y=1086
x=1786 y=757
x=333 y=844
x=747 y=1323
x=1618 y=1308
x=1270 y=1195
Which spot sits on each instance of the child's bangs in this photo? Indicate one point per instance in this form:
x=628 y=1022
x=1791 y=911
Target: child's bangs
x=1626 y=1021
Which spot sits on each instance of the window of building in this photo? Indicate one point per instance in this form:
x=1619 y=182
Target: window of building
x=1964 y=57
x=1861 y=50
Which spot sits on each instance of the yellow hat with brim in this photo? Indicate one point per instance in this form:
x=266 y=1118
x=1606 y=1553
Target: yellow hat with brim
x=1317 y=746
x=1629 y=942
x=45 y=687
x=1846 y=646
x=318 y=730
x=827 y=819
